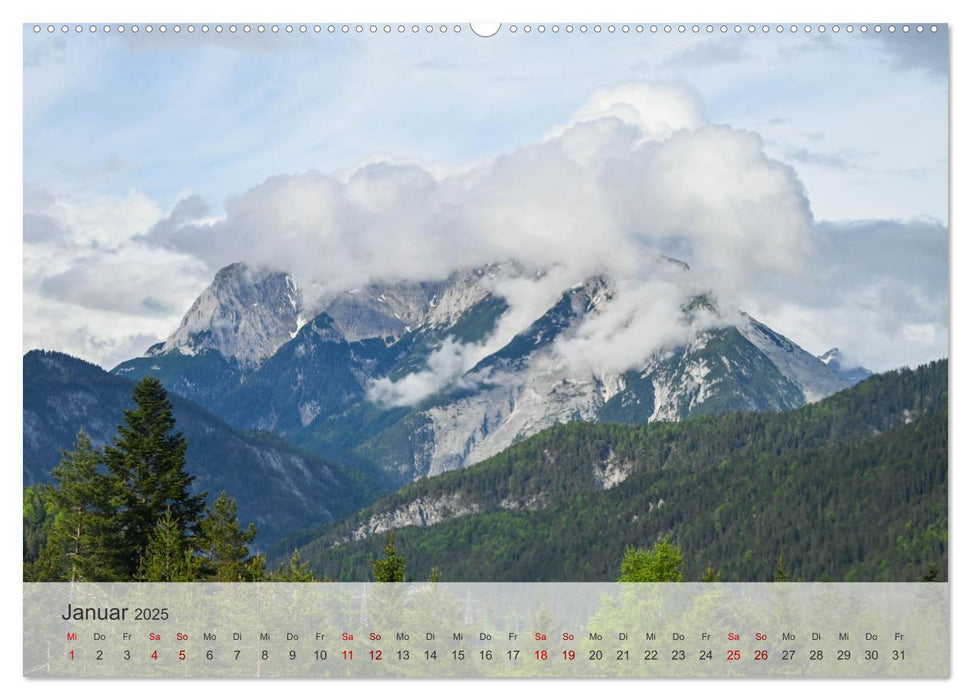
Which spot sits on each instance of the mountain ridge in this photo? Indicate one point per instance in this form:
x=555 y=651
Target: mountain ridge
x=421 y=365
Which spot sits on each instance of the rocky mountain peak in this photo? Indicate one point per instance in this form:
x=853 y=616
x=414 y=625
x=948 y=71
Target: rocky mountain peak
x=391 y=308
x=245 y=315
x=830 y=356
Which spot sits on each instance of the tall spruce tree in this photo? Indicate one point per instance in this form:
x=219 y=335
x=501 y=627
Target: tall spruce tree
x=147 y=467
x=82 y=544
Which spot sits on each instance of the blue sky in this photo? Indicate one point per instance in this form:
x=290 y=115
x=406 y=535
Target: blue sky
x=216 y=115
x=119 y=129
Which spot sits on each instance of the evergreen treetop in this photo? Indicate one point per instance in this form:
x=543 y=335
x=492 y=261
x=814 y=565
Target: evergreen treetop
x=147 y=466
x=82 y=539
x=391 y=569
x=225 y=545
x=167 y=556
x=781 y=575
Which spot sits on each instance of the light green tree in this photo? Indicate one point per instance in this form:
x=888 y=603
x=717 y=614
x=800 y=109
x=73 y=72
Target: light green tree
x=663 y=563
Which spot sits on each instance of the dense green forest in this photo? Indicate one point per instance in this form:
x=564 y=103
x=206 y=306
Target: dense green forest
x=853 y=488
x=125 y=512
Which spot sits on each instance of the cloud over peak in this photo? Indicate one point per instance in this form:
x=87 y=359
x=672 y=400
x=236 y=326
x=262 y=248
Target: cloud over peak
x=636 y=170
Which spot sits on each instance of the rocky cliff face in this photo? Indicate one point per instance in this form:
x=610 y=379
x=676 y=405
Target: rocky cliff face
x=245 y=315
x=386 y=309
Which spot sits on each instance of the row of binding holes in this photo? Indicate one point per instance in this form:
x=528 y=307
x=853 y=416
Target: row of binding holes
x=250 y=28
x=723 y=28
x=442 y=29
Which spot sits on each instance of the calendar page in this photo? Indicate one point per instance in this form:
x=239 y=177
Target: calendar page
x=448 y=350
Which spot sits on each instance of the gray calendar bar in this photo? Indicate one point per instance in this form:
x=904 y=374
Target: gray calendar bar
x=822 y=630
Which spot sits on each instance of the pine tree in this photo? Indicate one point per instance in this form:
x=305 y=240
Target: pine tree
x=391 y=569
x=295 y=571
x=663 y=563
x=254 y=569
x=225 y=546
x=147 y=466
x=781 y=575
x=710 y=574
x=82 y=544
x=167 y=556
x=39 y=512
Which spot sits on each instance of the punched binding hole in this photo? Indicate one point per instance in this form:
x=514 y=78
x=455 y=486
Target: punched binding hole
x=485 y=29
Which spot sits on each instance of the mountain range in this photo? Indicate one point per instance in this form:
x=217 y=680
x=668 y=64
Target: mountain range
x=306 y=412
x=412 y=379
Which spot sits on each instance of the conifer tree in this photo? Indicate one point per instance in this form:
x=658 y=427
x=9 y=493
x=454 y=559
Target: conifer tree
x=296 y=571
x=781 y=575
x=710 y=574
x=254 y=568
x=225 y=546
x=167 y=557
x=147 y=466
x=38 y=516
x=391 y=569
x=82 y=544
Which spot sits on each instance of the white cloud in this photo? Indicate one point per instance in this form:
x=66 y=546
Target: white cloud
x=636 y=171
x=642 y=317
x=657 y=111
x=637 y=168
x=105 y=222
x=445 y=366
x=91 y=289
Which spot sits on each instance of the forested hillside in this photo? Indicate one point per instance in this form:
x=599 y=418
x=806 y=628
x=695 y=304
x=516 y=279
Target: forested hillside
x=851 y=488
